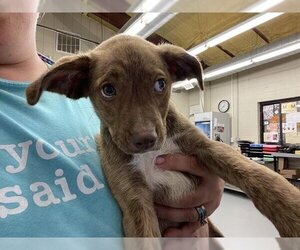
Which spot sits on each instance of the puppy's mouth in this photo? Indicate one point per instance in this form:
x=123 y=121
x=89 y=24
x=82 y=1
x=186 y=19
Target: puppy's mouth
x=144 y=145
x=131 y=148
x=142 y=151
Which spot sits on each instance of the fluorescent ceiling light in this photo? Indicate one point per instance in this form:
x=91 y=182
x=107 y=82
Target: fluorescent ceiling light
x=152 y=5
x=249 y=24
x=234 y=31
x=275 y=53
x=198 y=49
x=258 y=58
x=227 y=69
x=141 y=23
x=263 y=5
x=148 y=23
x=187 y=84
x=252 y=60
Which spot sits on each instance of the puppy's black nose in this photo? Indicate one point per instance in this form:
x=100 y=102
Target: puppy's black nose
x=144 y=142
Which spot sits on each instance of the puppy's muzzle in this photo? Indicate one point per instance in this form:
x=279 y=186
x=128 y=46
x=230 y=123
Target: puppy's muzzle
x=145 y=141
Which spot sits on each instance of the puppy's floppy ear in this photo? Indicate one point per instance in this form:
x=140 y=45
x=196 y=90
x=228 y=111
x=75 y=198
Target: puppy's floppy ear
x=69 y=76
x=181 y=65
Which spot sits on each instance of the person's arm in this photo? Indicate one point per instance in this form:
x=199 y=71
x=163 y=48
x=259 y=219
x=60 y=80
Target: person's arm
x=208 y=193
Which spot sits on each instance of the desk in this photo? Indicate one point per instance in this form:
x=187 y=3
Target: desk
x=287 y=165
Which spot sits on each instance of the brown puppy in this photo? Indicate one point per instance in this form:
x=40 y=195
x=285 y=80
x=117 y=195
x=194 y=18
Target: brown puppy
x=129 y=83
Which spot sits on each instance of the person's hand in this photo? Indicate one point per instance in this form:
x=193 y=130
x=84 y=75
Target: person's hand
x=208 y=193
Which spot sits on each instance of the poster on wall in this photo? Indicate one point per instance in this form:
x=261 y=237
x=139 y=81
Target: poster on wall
x=272 y=127
x=271 y=137
x=220 y=128
x=292 y=117
x=292 y=138
x=289 y=127
x=268 y=112
x=288 y=107
x=271 y=122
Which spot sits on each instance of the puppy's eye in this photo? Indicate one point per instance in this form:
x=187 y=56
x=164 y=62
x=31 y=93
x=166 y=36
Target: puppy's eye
x=108 y=90
x=159 y=85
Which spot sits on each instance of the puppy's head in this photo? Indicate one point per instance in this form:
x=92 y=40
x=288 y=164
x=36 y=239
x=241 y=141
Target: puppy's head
x=129 y=82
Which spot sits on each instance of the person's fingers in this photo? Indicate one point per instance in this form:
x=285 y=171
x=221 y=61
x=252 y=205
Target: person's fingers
x=190 y=200
x=202 y=231
x=180 y=162
x=176 y=214
x=191 y=229
x=183 y=214
x=208 y=192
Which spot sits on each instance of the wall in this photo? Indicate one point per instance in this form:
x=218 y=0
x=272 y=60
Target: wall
x=76 y=23
x=181 y=102
x=87 y=28
x=244 y=91
x=196 y=101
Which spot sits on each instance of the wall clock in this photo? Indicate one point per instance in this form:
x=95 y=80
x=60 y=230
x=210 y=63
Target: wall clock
x=223 y=106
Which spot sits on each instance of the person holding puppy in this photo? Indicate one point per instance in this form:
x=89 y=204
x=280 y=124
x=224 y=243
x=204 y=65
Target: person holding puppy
x=50 y=177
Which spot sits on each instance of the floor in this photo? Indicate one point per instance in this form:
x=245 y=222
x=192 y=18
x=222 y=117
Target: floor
x=237 y=217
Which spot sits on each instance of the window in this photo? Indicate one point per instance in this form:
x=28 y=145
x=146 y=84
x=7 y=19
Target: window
x=67 y=43
x=280 y=121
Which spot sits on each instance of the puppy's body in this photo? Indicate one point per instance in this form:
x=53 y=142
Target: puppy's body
x=129 y=83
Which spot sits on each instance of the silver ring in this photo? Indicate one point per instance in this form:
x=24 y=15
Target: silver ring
x=201 y=214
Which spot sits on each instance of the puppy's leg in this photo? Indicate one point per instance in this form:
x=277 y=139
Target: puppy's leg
x=130 y=190
x=272 y=194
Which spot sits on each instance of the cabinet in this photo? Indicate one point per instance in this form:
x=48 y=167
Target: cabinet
x=215 y=125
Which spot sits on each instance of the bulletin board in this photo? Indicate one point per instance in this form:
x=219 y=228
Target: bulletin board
x=280 y=121
x=291 y=122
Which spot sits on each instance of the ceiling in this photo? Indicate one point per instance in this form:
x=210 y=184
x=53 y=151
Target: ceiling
x=189 y=29
x=126 y=5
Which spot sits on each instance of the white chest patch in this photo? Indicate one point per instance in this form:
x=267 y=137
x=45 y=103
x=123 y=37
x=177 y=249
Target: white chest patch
x=176 y=182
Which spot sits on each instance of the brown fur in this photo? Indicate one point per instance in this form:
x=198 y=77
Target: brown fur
x=132 y=66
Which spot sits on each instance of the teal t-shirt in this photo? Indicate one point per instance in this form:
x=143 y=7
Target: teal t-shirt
x=51 y=182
